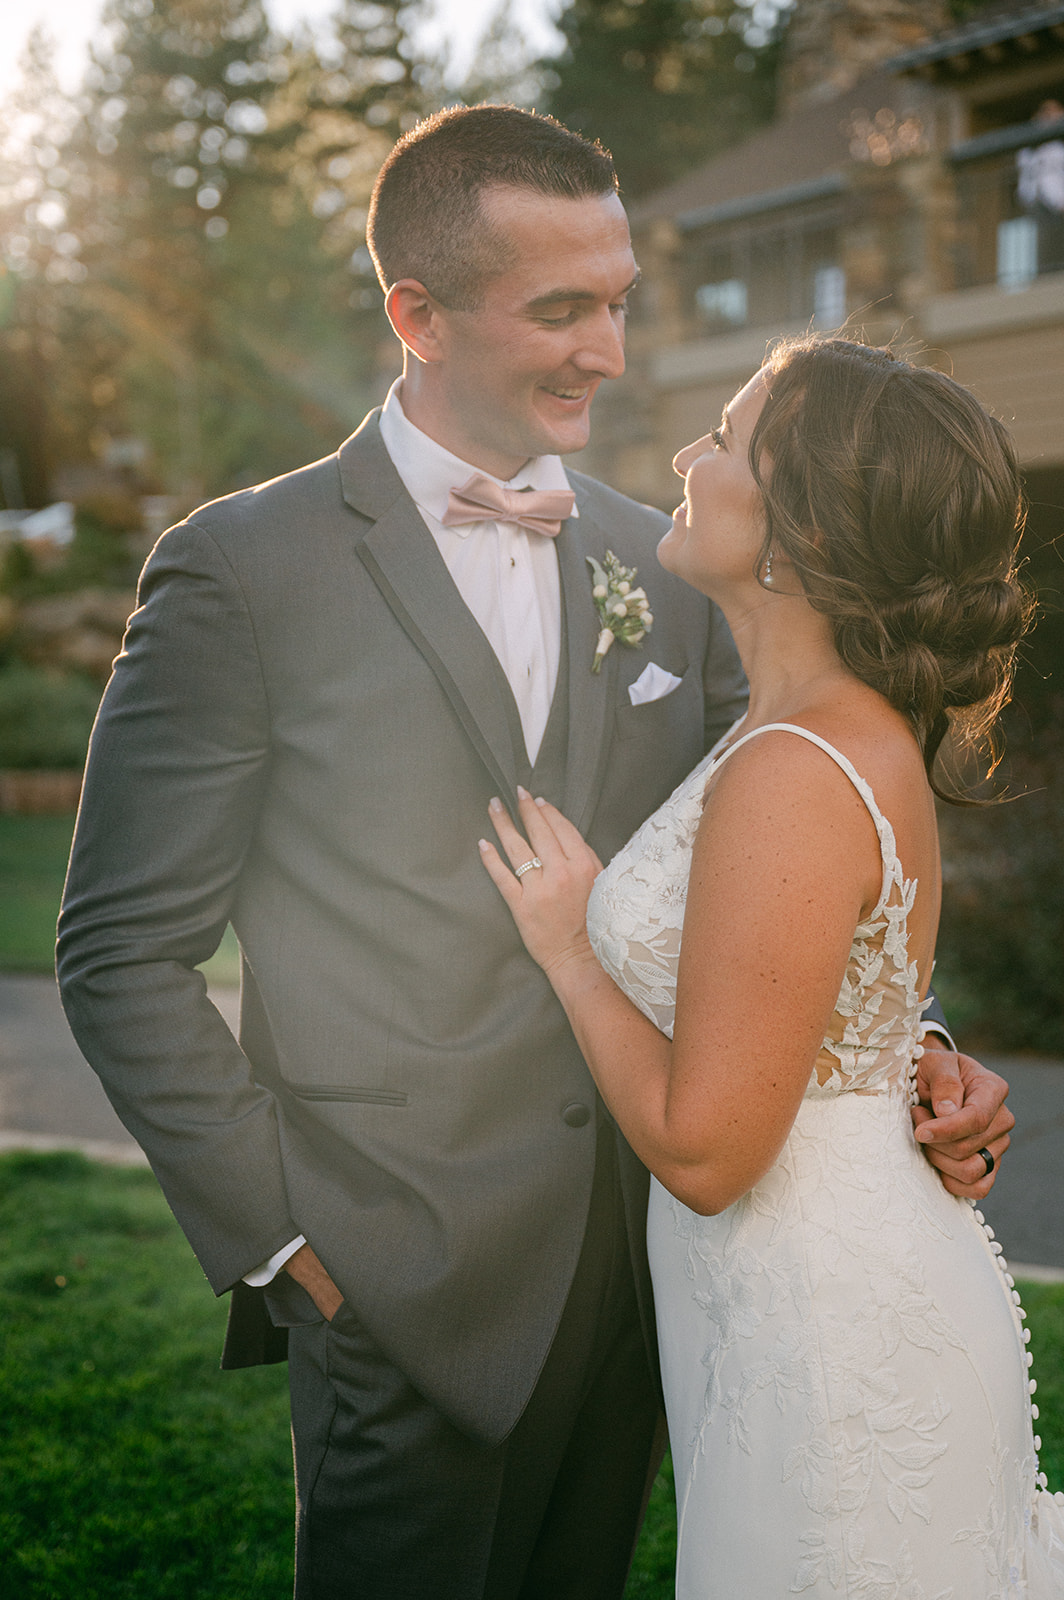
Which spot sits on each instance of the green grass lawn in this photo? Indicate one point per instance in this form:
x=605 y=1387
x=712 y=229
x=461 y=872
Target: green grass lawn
x=33 y=858
x=130 y=1466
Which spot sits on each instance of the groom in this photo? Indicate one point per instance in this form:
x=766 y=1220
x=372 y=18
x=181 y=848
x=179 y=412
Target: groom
x=404 y=1167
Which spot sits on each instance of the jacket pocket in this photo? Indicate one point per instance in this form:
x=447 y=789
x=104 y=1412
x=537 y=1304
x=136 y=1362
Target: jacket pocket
x=664 y=717
x=336 y=1091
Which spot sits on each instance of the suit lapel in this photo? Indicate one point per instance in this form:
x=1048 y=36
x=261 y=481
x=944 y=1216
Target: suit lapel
x=590 y=694
x=402 y=558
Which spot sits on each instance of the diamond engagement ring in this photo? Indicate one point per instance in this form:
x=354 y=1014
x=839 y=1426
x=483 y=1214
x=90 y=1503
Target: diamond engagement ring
x=527 y=866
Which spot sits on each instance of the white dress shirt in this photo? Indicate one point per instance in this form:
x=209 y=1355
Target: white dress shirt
x=507 y=576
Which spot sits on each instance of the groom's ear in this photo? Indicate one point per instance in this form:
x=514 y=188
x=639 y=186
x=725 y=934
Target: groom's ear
x=416 y=319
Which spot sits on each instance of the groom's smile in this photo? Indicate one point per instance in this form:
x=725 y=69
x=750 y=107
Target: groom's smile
x=515 y=377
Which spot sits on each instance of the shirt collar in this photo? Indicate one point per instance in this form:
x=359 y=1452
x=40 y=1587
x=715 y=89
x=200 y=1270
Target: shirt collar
x=429 y=472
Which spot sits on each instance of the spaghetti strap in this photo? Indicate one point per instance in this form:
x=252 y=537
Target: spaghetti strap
x=887 y=843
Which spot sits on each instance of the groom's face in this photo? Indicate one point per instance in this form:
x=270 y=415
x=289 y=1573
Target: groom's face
x=519 y=373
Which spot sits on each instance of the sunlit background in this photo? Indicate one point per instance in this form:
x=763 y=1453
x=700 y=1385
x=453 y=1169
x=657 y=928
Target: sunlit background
x=187 y=304
x=72 y=23
x=187 y=307
x=454 y=25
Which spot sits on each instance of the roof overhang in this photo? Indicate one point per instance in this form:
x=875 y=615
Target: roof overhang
x=999 y=141
x=753 y=205
x=1000 y=40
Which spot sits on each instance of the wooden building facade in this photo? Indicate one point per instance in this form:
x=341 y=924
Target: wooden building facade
x=918 y=197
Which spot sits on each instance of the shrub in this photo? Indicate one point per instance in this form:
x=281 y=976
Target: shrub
x=999 y=970
x=45 y=717
x=98 y=555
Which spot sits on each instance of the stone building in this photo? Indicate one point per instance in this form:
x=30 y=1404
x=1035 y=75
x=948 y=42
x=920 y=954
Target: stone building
x=912 y=186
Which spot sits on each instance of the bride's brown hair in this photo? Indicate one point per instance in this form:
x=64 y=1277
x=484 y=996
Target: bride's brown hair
x=897 y=498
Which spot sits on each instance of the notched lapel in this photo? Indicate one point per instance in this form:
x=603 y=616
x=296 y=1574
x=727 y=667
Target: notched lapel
x=590 y=694
x=401 y=557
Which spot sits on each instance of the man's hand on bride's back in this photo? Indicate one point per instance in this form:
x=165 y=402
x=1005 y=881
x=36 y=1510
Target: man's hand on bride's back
x=961 y=1113
x=549 y=898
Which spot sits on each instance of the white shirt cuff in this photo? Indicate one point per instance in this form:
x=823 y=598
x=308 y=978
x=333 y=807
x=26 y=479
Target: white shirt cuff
x=264 y=1274
x=939 y=1028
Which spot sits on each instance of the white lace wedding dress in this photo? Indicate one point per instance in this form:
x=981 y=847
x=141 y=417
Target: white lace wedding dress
x=843 y=1352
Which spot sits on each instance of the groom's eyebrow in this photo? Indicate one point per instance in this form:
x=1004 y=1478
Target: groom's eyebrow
x=564 y=296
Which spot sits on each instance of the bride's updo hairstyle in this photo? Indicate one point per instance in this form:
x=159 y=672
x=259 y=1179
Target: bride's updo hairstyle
x=897 y=499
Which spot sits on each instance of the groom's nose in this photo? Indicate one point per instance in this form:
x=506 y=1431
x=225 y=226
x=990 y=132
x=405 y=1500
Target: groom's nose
x=600 y=350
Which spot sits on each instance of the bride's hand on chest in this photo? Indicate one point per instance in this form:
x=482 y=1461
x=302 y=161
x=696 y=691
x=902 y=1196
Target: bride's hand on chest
x=547 y=882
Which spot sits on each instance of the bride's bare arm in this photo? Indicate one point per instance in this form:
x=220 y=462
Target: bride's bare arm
x=709 y=1112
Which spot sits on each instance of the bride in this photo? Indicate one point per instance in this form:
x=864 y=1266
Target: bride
x=843 y=1355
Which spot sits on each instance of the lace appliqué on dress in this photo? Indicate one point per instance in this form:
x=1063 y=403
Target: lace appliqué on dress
x=823 y=1344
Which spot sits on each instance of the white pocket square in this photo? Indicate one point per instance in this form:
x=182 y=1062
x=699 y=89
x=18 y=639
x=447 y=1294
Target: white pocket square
x=653 y=683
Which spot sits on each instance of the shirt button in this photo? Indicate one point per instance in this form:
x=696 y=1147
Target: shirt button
x=576 y=1115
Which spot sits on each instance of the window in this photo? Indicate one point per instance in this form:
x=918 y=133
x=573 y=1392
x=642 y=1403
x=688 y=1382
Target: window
x=829 y=296
x=1017 y=252
x=722 y=304
x=1010 y=194
x=769 y=271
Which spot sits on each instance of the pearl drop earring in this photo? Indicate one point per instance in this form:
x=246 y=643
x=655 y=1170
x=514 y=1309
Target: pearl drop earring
x=767 y=579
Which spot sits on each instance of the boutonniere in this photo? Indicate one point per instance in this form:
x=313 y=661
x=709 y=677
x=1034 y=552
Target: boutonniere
x=623 y=610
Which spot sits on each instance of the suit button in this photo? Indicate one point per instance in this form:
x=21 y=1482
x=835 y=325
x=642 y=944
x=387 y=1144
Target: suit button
x=576 y=1115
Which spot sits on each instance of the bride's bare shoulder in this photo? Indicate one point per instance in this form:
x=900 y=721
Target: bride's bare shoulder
x=860 y=725
x=877 y=740
x=789 y=780
x=777 y=812
x=856 y=721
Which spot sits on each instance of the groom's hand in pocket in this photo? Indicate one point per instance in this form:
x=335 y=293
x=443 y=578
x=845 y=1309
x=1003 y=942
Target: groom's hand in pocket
x=961 y=1113
x=305 y=1267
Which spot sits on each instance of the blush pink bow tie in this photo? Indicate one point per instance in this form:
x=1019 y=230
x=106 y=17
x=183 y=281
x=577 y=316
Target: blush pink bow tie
x=481 y=499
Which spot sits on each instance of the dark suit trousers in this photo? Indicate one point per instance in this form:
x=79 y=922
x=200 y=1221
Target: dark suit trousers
x=394 y=1503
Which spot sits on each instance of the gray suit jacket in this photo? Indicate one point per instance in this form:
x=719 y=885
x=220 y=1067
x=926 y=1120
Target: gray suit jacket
x=301 y=736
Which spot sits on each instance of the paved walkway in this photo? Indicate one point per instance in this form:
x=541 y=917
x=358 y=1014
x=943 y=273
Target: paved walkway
x=50 y=1099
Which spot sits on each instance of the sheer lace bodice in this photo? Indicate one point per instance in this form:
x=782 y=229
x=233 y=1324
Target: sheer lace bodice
x=635 y=921
x=842 y=1350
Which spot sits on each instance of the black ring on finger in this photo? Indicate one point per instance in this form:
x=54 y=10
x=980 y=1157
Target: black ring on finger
x=988 y=1158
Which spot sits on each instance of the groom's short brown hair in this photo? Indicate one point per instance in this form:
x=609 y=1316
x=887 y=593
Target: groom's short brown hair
x=425 y=218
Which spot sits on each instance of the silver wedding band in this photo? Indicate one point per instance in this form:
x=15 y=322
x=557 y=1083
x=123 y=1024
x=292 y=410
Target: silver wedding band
x=527 y=866
x=988 y=1158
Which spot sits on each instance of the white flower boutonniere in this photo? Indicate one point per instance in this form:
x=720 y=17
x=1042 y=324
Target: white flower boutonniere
x=624 y=610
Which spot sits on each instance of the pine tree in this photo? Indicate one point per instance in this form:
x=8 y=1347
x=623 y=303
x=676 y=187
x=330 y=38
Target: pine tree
x=223 y=234
x=38 y=270
x=664 y=83
x=173 y=117
x=354 y=95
